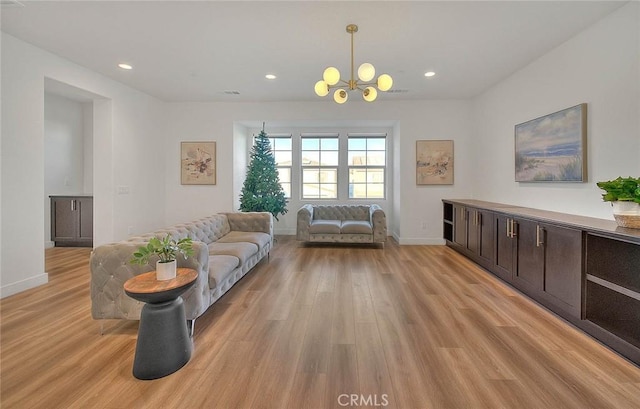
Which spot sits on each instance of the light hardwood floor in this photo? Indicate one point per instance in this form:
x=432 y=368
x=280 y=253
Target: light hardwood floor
x=411 y=326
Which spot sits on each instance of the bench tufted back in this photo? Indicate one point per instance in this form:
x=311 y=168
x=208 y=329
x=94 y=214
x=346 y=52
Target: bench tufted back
x=341 y=212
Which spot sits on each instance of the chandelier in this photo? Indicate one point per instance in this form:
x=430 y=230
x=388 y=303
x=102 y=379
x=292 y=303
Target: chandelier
x=366 y=73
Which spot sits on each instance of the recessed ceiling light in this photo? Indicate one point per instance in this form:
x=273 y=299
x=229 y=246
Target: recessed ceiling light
x=429 y=74
x=270 y=77
x=125 y=66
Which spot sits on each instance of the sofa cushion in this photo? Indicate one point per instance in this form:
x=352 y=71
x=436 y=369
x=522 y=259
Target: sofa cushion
x=258 y=238
x=341 y=212
x=243 y=251
x=356 y=227
x=325 y=227
x=220 y=267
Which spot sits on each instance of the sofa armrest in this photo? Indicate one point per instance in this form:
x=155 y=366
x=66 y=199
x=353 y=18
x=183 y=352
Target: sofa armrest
x=305 y=215
x=110 y=269
x=379 y=223
x=251 y=221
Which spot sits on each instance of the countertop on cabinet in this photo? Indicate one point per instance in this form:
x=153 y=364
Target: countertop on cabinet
x=589 y=224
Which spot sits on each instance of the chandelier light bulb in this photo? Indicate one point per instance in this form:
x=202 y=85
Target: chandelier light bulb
x=366 y=72
x=385 y=82
x=340 y=96
x=321 y=88
x=331 y=76
x=369 y=94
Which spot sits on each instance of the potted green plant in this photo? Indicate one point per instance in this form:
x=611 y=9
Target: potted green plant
x=624 y=195
x=167 y=249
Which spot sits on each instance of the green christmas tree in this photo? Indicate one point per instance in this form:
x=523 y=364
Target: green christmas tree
x=262 y=191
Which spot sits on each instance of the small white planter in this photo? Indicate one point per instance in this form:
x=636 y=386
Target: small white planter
x=627 y=214
x=165 y=271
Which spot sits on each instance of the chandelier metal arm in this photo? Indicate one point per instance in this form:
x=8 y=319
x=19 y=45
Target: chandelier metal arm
x=342 y=85
x=351 y=28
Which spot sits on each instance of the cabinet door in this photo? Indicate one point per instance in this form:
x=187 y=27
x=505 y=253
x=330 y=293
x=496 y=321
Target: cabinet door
x=85 y=218
x=486 y=236
x=460 y=225
x=530 y=259
x=63 y=219
x=473 y=231
x=480 y=235
x=505 y=248
x=563 y=267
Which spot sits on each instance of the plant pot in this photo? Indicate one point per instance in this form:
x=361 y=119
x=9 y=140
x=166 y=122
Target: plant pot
x=627 y=214
x=165 y=271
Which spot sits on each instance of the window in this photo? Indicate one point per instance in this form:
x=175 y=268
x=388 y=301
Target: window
x=367 y=164
x=281 y=149
x=319 y=161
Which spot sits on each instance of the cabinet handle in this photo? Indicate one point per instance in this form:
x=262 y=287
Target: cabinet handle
x=73 y=203
x=508 y=228
x=478 y=218
x=539 y=236
x=513 y=228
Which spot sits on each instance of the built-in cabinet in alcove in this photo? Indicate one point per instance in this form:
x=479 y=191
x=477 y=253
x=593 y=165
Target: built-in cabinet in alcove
x=68 y=162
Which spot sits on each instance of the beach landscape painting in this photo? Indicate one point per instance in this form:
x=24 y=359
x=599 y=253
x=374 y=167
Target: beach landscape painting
x=552 y=148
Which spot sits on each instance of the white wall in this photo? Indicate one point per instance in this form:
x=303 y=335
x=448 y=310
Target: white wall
x=127 y=142
x=417 y=120
x=87 y=155
x=63 y=151
x=600 y=66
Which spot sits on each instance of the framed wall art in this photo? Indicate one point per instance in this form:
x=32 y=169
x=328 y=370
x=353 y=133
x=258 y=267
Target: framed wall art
x=434 y=162
x=553 y=148
x=198 y=163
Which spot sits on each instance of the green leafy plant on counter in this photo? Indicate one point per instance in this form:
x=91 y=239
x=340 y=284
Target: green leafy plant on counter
x=623 y=189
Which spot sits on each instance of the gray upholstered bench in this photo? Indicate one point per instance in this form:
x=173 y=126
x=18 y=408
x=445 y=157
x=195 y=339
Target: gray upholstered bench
x=342 y=224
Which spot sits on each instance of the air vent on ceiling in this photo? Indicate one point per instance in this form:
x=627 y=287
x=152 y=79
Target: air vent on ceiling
x=398 y=91
x=11 y=3
x=231 y=92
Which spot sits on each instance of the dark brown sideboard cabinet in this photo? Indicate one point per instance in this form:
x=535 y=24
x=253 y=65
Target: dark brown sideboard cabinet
x=72 y=221
x=586 y=270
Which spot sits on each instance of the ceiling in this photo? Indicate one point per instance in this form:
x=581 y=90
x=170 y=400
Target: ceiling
x=202 y=50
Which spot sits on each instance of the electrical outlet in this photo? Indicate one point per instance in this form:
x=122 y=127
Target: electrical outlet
x=130 y=230
x=424 y=225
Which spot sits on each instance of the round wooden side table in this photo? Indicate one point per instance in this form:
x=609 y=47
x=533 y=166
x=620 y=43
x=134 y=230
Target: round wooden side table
x=163 y=344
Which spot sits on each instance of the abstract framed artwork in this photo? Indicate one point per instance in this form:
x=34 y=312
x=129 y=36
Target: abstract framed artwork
x=198 y=163
x=553 y=148
x=434 y=162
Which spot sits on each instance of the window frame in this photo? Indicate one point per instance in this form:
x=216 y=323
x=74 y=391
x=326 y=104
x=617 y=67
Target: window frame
x=366 y=167
x=319 y=167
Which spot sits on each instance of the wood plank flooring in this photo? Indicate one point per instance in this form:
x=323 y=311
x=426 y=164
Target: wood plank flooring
x=399 y=326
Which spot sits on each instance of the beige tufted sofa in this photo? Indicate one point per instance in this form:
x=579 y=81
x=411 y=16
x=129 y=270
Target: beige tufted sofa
x=342 y=224
x=226 y=245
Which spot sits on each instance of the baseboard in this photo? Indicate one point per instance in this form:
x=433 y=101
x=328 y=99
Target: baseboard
x=49 y=244
x=22 y=285
x=284 y=232
x=421 y=241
